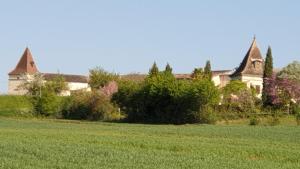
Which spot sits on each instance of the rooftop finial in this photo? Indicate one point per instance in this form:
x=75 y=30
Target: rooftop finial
x=254 y=37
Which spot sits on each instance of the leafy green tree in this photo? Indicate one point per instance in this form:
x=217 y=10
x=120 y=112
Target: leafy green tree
x=154 y=71
x=198 y=74
x=98 y=78
x=34 y=86
x=291 y=71
x=168 y=69
x=268 y=72
x=207 y=70
x=57 y=84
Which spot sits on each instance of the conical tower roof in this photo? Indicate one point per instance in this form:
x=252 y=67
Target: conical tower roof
x=25 y=65
x=252 y=63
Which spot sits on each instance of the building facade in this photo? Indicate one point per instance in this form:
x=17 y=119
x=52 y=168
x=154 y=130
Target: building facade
x=26 y=69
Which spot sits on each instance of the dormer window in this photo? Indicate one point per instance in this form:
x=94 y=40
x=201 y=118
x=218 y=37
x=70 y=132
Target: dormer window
x=32 y=63
x=256 y=63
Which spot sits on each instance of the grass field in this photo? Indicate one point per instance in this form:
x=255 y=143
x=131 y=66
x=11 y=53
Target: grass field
x=15 y=106
x=39 y=144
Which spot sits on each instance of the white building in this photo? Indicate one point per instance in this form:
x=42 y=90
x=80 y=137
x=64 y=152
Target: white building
x=25 y=70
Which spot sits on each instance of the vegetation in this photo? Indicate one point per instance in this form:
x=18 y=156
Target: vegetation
x=238 y=101
x=291 y=72
x=46 y=144
x=15 y=106
x=207 y=70
x=162 y=98
x=90 y=106
x=268 y=72
x=98 y=78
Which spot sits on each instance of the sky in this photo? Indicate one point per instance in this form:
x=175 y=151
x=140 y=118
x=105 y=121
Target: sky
x=73 y=36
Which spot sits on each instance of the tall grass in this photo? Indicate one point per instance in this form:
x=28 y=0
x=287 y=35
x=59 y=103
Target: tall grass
x=15 y=106
x=34 y=144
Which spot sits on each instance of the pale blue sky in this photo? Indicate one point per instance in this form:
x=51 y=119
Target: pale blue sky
x=73 y=36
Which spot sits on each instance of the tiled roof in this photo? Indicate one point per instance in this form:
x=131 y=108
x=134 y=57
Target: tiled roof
x=68 y=78
x=25 y=65
x=252 y=57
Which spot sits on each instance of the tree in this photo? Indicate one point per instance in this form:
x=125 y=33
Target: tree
x=283 y=91
x=98 y=78
x=57 y=84
x=34 y=86
x=153 y=70
x=291 y=71
x=198 y=74
x=207 y=70
x=168 y=69
x=268 y=72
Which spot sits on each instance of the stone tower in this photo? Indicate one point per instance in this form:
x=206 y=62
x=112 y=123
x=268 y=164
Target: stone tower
x=251 y=70
x=23 y=72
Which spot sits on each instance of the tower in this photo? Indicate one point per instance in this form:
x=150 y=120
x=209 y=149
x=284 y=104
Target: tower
x=250 y=70
x=23 y=72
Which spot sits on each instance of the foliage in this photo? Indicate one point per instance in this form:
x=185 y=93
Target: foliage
x=168 y=69
x=15 y=106
x=283 y=91
x=34 y=86
x=98 y=78
x=47 y=104
x=297 y=115
x=154 y=71
x=254 y=121
x=207 y=70
x=164 y=99
x=198 y=73
x=268 y=72
x=57 y=84
x=291 y=72
x=44 y=95
x=90 y=106
x=238 y=100
x=77 y=144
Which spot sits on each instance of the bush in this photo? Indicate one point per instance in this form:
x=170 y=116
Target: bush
x=297 y=115
x=90 y=106
x=162 y=98
x=48 y=104
x=206 y=115
x=254 y=121
x=238 y=101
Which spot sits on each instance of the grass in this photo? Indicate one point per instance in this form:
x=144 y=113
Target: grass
x=61 y=144
x=15 y=106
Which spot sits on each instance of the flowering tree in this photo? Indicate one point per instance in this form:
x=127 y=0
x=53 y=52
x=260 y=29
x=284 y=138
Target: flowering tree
x=282 y=91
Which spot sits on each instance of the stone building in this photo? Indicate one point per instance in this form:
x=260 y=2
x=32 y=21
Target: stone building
x=26 y=69
x=251 y=69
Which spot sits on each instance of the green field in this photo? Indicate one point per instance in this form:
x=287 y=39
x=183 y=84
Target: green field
x=30 y=143
x=15 y=106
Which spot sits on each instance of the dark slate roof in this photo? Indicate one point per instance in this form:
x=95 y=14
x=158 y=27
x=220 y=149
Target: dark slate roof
x=25 y=65
x=252 y=57
x=68 y=78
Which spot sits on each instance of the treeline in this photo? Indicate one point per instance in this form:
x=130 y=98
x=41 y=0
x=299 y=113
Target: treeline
x=162 y=98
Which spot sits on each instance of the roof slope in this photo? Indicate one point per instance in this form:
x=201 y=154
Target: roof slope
x=25 y=65
x=68 y=78
x=252 y=63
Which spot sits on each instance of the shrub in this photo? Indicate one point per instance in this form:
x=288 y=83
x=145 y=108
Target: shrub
x=162 y=98
x=206 y=115
x=254 y=121
x=99 y=78
x=90 y=106
x=238 y=101
x=47 y=104
x=298 y=118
